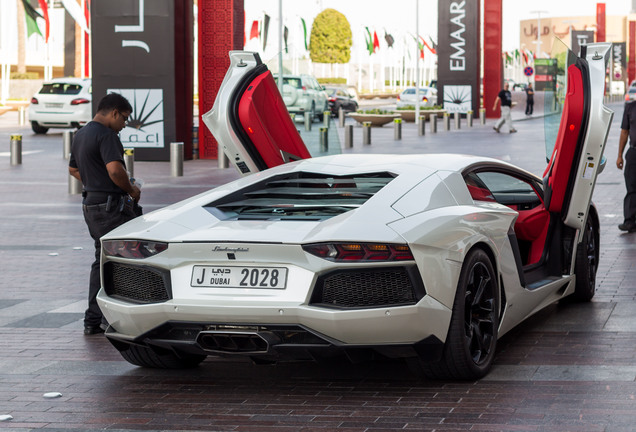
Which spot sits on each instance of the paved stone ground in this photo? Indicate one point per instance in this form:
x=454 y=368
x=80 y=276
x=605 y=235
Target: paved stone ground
x=568 y=368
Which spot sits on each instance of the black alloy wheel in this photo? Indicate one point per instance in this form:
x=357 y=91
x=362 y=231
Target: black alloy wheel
x=587 y=255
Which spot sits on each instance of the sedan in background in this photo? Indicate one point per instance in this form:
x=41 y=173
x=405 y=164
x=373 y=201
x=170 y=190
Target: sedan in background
x=338 y=97
x=61 y=103
x=630 y=96
x=428 y=97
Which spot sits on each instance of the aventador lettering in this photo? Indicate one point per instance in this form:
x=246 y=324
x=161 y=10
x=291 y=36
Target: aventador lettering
x=457 y=58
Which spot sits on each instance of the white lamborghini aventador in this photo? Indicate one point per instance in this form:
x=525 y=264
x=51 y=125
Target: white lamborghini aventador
x=419 y=256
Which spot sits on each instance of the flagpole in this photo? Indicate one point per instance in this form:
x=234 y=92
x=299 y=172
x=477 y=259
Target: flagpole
x=417 y=62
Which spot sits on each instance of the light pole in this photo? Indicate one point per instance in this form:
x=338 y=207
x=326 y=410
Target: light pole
x=539 y=31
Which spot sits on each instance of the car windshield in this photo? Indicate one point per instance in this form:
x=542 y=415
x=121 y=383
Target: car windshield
x=61 y=89
x=300 y=196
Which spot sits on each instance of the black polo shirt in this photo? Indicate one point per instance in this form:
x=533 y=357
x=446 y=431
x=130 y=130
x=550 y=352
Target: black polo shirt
x=94 y=146
x=506 y=98
x=629 y=118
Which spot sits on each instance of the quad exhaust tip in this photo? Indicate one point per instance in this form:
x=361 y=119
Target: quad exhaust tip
x=236 y=342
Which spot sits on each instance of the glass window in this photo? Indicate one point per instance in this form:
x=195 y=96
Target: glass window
x=61 y=89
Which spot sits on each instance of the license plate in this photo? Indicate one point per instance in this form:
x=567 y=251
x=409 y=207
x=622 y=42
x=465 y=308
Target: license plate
x=54 y=105
x=239 y=277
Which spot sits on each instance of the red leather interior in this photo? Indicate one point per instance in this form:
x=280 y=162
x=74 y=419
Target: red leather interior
x=265 y=119
x=532 y=226
x=562 y=160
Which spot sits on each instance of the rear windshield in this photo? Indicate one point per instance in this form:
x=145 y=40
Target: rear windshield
x=294 y=82
x=300 y=196
x=61 y=88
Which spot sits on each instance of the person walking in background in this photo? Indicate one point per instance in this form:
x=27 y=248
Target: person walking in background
x=628 y=131
x=529 y=99
x=97 y=160
x=506 y=104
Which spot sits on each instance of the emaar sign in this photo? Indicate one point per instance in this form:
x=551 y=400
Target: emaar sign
x=458 y=53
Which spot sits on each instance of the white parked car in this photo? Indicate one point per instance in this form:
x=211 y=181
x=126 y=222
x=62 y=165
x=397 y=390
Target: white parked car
x=303 y=94
x=417 y=256
x=61 y=103
x=428 y=97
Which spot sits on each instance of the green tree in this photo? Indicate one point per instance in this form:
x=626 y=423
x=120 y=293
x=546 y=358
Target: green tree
x=330 y=40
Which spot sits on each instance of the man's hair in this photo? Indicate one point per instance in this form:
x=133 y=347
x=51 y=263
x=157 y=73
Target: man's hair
x=114 y=101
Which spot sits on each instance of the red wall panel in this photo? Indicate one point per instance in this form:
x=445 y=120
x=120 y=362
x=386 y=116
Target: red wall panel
x=221 y=30
x=631 y=65
x=493 y=64
x=600 y=22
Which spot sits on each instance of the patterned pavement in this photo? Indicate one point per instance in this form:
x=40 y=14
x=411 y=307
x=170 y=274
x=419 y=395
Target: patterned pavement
x=568 y=368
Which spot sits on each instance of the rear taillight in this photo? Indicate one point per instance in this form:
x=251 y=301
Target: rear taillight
x=80 y=101
x=360 y=251
x=398 y=97
x=332 y=99
x=626 y=98
x=424 y=99
x=134 y=249
x=304 y=88
x=34 y=101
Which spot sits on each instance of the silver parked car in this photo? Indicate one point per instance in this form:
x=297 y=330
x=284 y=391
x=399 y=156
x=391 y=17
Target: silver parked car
x=61 y=103
x=428 y=97
x=303 y=93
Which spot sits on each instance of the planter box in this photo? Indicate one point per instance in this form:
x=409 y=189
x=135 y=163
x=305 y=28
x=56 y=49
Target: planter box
x=377 y=120
x=409 y=115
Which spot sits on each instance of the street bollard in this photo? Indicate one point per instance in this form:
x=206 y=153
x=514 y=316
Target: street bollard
x=446 y=121
x=421 y=126
x=67 y=141
x=341 y=117
x=74 y=185
x=326 y=116
x=308 y=121
x=458 y=119
x=324 y=140
x=223 y=161
x=16 y=149
x=366 y=133
x=348 y=136
x=469 y=118
x=397 y=129
x=176 y=159
x=433 y=119
x=21 y=116
x=129 y=161
x=482 y=116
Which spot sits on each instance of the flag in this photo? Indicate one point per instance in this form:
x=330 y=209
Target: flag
x=369 y=40
x=433 y=44
x=389 y=39
x=265 y=30
x=525 y=56
x=30 y=16
x=76 y=12
x=432 y=50
x=305 y=34
x=254 y=30
x=45 y=12
x=376 y=42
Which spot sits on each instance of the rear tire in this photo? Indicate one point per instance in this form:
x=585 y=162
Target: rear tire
x=472 y=336
x=160 y=358
x=587 y=254
x=35 y=126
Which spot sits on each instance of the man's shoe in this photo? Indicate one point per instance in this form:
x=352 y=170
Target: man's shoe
x=93 y=330
x=629 y=226
x=496 y=129
x=513 y=130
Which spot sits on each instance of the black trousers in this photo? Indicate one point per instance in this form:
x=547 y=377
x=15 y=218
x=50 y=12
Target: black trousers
x=629 y=171
x=100 y=221
x=529 y=106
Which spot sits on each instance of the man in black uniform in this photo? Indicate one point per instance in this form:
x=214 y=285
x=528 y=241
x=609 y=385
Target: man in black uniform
x=529 y=99
x=97 y=160
x=628 y=130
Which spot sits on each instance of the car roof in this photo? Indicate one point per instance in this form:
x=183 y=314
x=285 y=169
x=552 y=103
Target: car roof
x=69 y=80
